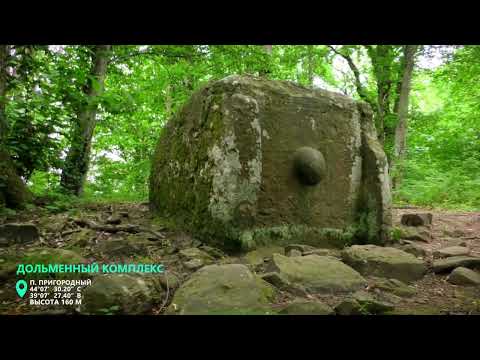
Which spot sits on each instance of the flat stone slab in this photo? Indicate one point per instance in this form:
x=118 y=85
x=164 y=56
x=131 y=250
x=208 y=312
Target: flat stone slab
x=222 y=290
x=385 y=262
x=318 y=274
x=447 y=264
x=305 y=307
x=394 y=286
x=414 y=249
x=464 y=276
x=451 y=251
x=18 y=234
x=419 y=233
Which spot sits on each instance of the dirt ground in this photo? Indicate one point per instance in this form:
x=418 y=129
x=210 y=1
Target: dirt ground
x=434 y=295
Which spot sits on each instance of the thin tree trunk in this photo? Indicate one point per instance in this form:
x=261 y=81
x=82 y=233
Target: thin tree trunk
x=267 y=70
x=4 y=49
x=402 y=113
x=13 y=191
x=168 y=101
x=78 y=158
x=310 y=64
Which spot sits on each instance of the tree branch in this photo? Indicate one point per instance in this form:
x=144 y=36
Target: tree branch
x=360 y=89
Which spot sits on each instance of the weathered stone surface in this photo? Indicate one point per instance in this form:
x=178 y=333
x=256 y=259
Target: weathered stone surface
x=451 y=251
x=384 y=262
x=464 y=276
x=223 y=289
x=419 y=233
x=446 y=264
x=418 y=219
x=394 y=286
x=260 y=255
x=196 y=254
x=318 y=274
x=122 y=247
x=168 y=281
x=293 y=253
x=193 y=264
x=304 y=307
x=214 y=252
x=300 y=247
x=121 y=294
x=363 y=303
x=370 y=305
x=281 y=283
x=113 y=220
x=226 y=166
x=414 y=249
x=52 y=256
x=18 y=234
x=324 y=252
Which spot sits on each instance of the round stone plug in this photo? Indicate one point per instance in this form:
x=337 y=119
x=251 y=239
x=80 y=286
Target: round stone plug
x=309 y=165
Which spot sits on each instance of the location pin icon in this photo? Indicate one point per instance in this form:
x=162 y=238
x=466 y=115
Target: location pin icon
x=21 y=288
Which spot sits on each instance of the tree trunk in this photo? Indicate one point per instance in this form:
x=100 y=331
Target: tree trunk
x=310 y=65
x=3 y=90
x=402 y=113
x=13 y=191
x=78 y=158
x=267 y=70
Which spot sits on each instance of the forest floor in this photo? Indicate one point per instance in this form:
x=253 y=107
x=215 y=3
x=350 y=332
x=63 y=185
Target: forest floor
x=433 y=293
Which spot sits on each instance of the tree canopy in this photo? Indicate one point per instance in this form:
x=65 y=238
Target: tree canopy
x=84 y=120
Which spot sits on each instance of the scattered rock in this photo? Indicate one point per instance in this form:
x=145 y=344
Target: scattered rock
x=304 y=307
x=168 y=280
x=371 y=305
x=415 y=233
x=223 y=289
x=464 y=276
x=214 y=252
x=451 y=251
x=394 y=286
x=363 y=303
x=414 y=249
x=261 y=254
x=318 y=274
x=446 y=264
x=121 y=294
x=81 y=238
x=113 y=220
x=324 y=252
x=119 y=247
x=293 y=253
x=193 y=264
x=53 y=256
x=281 y=283
x=419 y=219
x=300 y=247
x=194 y=253
x=384 y=262
x=8 y=273
x=18 y=234
x=456 y=233
x=349 y=307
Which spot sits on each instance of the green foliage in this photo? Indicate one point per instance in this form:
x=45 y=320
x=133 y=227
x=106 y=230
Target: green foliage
x=146 y=85
x=443 y=164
